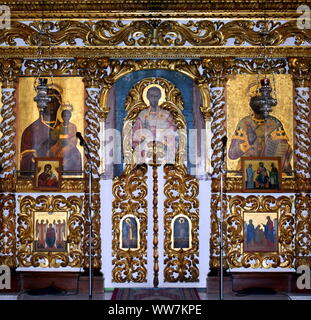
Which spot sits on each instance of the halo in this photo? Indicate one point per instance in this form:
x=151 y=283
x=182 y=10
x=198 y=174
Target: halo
x=181 y=220
x=62 y=107
x=162 y=98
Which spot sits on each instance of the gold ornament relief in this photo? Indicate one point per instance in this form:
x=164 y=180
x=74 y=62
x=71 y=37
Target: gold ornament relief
x=181 y=191
x=26 y=256
x=130 y=191
x=236 y=255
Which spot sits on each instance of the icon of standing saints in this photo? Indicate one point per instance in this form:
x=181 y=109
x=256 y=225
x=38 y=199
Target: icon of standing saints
x=50 y=235
x=51 y=135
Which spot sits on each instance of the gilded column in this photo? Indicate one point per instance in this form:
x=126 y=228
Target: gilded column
x=300 y=69
x=9 y=70
x=93 y=71
x=217 y=71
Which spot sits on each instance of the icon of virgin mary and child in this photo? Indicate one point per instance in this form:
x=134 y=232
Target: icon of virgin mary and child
x=51 y=135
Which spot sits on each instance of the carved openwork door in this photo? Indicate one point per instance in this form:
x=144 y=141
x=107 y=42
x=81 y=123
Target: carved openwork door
x=155 y=208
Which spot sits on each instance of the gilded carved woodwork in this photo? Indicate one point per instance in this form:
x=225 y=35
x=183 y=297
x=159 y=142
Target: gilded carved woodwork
x=237 y=207
x=181 y=199
x=136 y=52
x=130 y=192
x=56 y=67
x=302 y=230
x=93 y=71
x=25 y=185
x=26 y=256
x=300 y=70
x=96 y=239
x=9 y=70
x=153 y=33
x=177 y=8
x=7 y=230
x=216 y=211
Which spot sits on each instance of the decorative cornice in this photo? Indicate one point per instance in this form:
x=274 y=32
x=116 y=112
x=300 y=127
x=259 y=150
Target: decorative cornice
x=154 y=52
x=147 y=6
x=153 y=33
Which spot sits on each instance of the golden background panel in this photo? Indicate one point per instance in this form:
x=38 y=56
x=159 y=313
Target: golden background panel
x=72 y=92
x=238 y=90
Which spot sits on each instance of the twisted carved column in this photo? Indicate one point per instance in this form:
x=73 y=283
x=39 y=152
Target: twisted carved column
x=300 y=69
x=93 y=71
x=217 y=71
x=9 y=70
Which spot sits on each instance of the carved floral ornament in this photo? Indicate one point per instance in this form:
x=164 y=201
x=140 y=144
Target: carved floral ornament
x=51 y=204
x=234 y=225
x=152 y=33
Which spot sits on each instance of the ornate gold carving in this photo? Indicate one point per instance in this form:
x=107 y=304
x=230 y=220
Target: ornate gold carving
x=7 y=185
x=57 y=67
x=96 y=239
x=218 y=127
x=181 y=191
x=234 y=232
x=153 y=33
x=217 y=70
x=130 y=191
x=303 y=230
x=9 y=71
x=7 y=230
x=300 y=68
x=134 y=52
x=215 y=234
x=177 y=8
x=259 y=66
x=92 y=71
x=28 y=206
x=67 y=185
